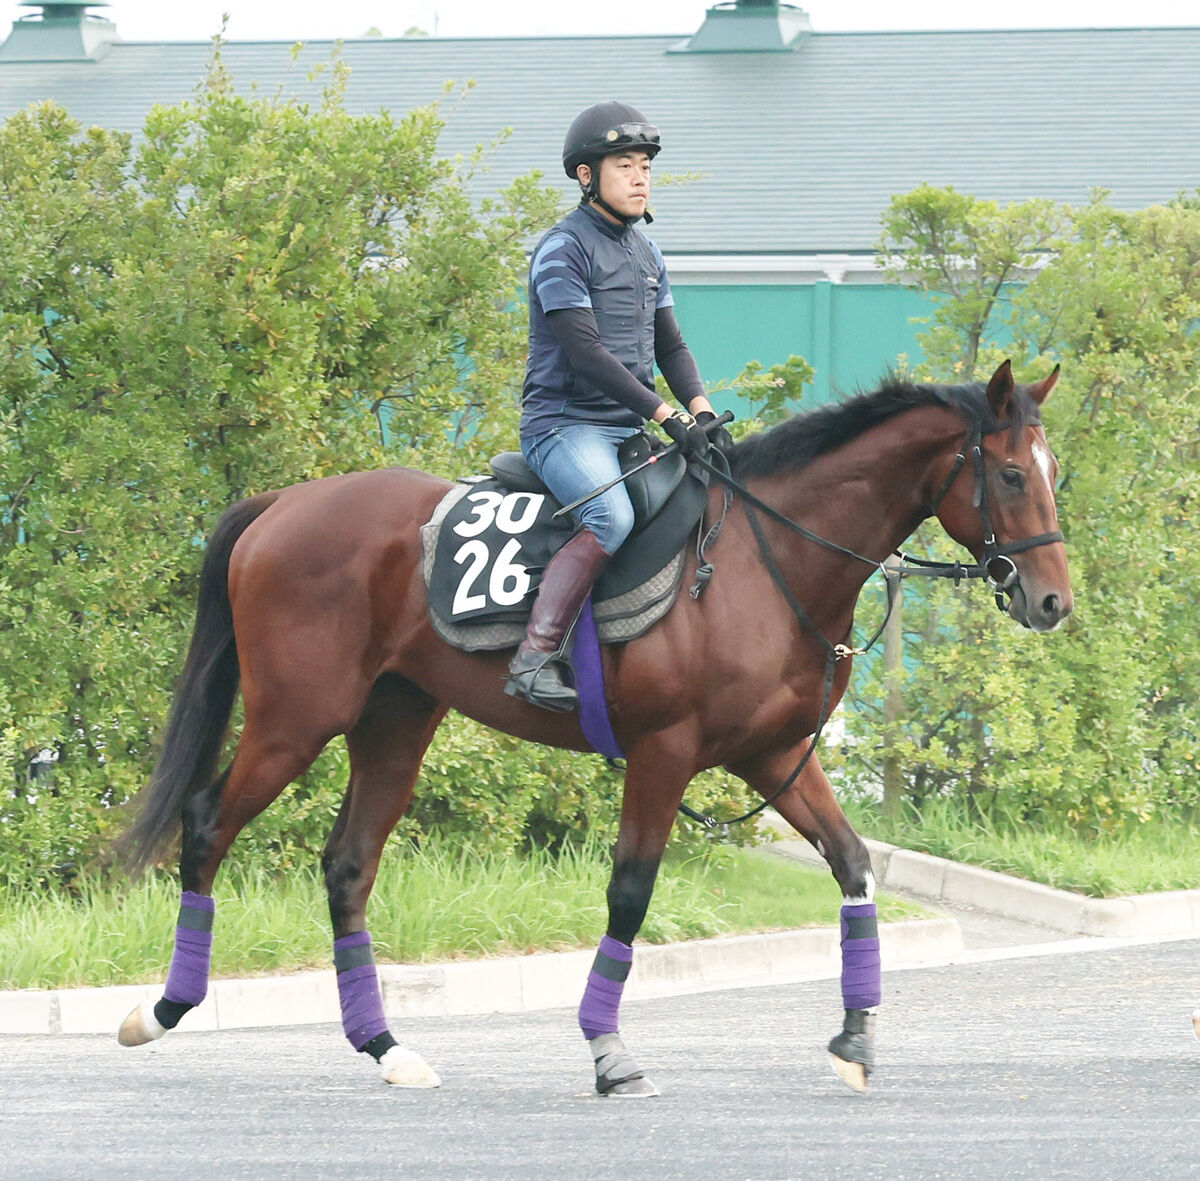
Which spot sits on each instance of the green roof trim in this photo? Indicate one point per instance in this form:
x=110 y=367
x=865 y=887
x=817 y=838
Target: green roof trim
x=749 y=26
x=63 y=6
x=65 y=32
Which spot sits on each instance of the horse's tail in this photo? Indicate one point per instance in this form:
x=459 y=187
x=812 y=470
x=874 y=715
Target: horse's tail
x=203 y=699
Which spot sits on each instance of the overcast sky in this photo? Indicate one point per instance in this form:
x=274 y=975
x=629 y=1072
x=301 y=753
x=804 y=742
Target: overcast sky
x=287 y=20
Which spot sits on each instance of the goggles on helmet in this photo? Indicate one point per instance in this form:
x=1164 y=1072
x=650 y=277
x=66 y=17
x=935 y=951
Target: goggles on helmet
x=629 y=133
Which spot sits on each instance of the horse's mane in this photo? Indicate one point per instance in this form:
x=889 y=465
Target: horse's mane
x=799 y=440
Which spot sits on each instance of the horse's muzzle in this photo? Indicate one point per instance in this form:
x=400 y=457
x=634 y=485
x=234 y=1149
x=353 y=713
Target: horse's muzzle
x=1037 y=609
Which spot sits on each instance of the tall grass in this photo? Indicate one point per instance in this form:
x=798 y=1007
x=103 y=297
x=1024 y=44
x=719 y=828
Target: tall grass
x=438 y=903
x=1161 y=854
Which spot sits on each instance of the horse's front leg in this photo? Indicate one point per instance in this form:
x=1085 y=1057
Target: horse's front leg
x=811 y=808
x=654 y=787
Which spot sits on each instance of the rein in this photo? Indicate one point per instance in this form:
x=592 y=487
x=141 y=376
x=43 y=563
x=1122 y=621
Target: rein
x=996 y=567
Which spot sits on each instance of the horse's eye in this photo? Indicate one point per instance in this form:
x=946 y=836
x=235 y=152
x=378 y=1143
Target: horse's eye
x=1013 y=477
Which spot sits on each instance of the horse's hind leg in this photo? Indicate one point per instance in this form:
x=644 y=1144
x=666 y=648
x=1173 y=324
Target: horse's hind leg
x=811 y=808
x=272 y=752
x=386 y=749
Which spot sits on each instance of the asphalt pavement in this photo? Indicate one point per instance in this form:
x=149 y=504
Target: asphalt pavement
x=1073 y=1061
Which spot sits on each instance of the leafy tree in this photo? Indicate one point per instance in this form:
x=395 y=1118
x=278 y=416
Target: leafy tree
x=260 y=293
x=968 y=251
x=1097 y=725
x=1122 y=304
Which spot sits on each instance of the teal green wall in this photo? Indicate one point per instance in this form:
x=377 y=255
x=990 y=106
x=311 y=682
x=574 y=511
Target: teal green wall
x=851 y=334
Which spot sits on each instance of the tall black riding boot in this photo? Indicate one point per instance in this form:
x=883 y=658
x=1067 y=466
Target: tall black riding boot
x=536 y=671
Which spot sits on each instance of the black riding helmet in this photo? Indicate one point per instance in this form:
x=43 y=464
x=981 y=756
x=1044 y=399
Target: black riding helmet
x=602 y=130
x=606 y=128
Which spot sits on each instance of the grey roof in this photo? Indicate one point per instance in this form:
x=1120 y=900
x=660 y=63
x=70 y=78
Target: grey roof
x=800 y=150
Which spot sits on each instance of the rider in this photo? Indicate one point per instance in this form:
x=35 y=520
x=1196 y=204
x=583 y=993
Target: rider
x=600 y=317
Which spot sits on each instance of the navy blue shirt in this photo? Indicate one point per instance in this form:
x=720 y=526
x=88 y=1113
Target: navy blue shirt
x=586 y=261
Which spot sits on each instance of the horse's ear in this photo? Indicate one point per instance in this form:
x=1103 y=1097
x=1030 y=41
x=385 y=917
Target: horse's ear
x=1000 y=389
x=1040 y=390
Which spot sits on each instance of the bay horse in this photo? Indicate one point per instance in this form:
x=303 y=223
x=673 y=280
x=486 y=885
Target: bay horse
x=313 y=597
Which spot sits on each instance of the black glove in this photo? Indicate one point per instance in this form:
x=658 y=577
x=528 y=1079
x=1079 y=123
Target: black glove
x=686 y=433
x=721 y=439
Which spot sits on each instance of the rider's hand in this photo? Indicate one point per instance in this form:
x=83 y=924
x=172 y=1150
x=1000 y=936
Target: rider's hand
x=720 y=438
x=686 y=433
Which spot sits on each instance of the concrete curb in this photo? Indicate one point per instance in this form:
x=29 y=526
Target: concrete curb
x=1138 y=916
x=523 y=983
x=510 y=985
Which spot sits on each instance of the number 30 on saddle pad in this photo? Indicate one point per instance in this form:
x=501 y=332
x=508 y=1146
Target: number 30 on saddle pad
x=493 y=546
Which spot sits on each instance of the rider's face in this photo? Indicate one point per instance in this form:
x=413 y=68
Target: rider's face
x=625 y=182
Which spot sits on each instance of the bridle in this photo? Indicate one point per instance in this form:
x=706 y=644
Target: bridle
x=996 y=567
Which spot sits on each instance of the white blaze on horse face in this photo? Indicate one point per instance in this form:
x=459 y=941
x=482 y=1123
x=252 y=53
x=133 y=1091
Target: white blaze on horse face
x=868 y=894
x=1045 y=462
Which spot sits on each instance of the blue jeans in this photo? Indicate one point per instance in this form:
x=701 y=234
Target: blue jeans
x=578 y=458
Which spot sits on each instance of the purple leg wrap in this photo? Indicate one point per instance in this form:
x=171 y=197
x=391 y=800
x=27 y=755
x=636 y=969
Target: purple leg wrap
x=187 y=981
x=358 y=989
x=606 y=982
x=862 y=987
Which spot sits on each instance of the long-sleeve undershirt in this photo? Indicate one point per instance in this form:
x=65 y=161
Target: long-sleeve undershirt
x=577 y=335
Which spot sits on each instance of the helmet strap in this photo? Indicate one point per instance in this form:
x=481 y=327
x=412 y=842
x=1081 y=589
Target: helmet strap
x=590 y=195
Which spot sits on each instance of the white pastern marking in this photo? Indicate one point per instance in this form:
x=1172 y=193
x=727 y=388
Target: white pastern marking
x=868 y=895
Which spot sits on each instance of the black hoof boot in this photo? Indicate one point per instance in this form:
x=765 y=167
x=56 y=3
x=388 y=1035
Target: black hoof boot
x=852 y=1052
x=538 y=679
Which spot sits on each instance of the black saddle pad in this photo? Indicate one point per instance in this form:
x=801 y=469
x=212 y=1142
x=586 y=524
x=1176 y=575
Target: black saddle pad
x=494 y=543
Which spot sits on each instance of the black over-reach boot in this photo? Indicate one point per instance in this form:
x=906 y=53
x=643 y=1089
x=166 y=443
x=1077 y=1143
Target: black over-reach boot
x=536 y=671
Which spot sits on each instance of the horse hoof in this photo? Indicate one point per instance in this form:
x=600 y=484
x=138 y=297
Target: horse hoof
x=633 y=1088
x=852 y=1052
x=140 y=1027
x=853 y=1074
x=406 y=1068
x=1196 y=1024
x=616 y=1072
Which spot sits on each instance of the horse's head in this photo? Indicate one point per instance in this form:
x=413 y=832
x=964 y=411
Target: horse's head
x=999 y=504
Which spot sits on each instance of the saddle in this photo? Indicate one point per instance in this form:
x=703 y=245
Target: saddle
x=489 y=540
